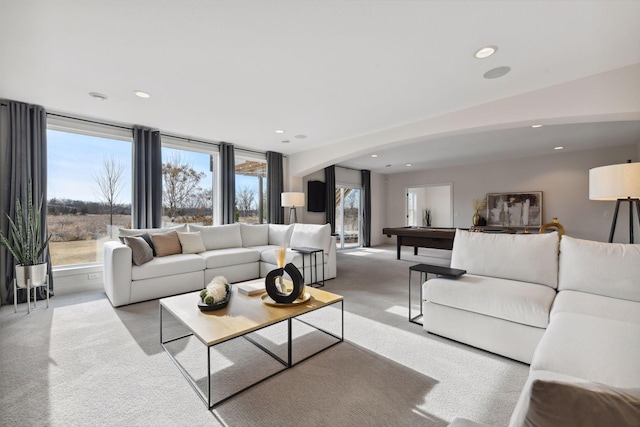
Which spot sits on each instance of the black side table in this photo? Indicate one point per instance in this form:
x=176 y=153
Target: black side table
x=313 y=264
x=425 y=270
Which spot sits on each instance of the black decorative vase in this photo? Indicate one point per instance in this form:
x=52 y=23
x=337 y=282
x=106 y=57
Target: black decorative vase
x=276 y=294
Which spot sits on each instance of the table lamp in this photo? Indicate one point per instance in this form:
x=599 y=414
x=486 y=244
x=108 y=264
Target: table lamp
x=620 y=183
x=291 y=201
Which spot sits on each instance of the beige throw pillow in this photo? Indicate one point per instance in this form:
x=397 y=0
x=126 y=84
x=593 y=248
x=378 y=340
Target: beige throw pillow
x=166 y=243
x=140 y=250
x=581 y=404
x=192 y=243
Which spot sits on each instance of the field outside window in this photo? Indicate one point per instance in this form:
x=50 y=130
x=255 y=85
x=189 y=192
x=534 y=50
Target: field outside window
x=89 y=194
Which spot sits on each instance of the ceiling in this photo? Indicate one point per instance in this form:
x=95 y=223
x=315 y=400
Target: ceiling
x=332 y=71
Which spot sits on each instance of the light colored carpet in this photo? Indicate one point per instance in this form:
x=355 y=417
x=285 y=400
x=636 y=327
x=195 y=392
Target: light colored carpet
x=82 y=362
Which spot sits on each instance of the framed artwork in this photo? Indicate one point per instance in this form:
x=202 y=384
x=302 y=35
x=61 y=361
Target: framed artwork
x=516 y=210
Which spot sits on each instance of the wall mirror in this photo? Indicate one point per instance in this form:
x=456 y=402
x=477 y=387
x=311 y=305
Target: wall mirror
x=430 y=206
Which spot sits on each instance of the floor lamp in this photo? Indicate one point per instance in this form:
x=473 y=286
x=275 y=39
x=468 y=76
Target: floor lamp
x=291 y=201
x=620 y=183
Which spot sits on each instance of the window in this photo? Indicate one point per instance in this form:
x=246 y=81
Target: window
x=251 y=190
x=187 y=186
x=89 y=191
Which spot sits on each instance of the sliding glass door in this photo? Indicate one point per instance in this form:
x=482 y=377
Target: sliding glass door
x=348 y=214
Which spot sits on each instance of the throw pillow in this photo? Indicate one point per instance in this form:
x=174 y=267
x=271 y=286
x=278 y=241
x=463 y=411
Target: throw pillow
x=140 y=249
x=581 y=404
x=166 y=243
x=191 y=243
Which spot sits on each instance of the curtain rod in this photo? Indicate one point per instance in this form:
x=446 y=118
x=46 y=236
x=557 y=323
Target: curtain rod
x=217 y=144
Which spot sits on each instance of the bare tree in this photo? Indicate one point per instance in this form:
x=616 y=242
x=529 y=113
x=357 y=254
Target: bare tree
x=181 y=186
x=110 y=184
x=245 y=197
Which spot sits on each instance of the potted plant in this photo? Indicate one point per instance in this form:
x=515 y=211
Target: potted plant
x=25 y=242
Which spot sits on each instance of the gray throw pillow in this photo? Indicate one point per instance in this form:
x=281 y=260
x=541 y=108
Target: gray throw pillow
x=140 y=249
x=555 y=403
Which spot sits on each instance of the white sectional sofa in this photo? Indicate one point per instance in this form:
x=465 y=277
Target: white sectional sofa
x=237 y=251
x=584 y=361
x=503 y=302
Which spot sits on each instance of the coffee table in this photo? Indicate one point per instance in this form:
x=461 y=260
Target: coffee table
x=244 y=314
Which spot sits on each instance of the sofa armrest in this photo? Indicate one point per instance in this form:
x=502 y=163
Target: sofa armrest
x=117 y=272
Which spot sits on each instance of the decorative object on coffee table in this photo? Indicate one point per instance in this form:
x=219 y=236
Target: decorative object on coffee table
x=216 y=295
x=277 y=292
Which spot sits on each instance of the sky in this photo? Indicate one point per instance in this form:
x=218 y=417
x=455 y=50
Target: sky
x=74 y=160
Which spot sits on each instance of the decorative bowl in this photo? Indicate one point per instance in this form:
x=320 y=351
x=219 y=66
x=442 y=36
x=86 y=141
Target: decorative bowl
x=217 y=306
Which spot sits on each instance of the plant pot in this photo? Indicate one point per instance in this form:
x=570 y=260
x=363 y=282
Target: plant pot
x=36 y=273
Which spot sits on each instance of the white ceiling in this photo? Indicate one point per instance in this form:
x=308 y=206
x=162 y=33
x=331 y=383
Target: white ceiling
x=332 y=70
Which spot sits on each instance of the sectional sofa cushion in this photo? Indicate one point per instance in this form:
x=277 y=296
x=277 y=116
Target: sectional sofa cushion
x=610 y=349
x=520 y=302
x=229 y=257
x=254 y=234
x=523 y=257
x=138 y=231
x=219 y=236
x=141 y=252
x=596 y=305
x=554 y=403
x=191 y=242
x=280 y=234
x=166 y=243
x=145 y=233
x=609 y=269
x=311 y=236
x=168 y=266
x=290 y=257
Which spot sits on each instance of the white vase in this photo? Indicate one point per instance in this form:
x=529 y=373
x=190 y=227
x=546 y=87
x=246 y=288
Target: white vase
x=36 y=273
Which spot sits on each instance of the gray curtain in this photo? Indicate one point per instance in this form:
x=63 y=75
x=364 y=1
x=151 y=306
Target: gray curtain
x=366 y=212
x=23 y=159
x=330 y=196
x=275 y=186
x=228 y=182
x=146 y=209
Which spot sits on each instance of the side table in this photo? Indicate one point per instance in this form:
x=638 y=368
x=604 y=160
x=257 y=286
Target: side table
x=425 y=270
x=29 y=288
x=313 y=264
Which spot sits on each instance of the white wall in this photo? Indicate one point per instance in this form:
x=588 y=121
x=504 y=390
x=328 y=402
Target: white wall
x=563 y=178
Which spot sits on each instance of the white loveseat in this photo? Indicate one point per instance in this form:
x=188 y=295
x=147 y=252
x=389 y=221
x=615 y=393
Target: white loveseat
x=237 y=251
x=584 y=361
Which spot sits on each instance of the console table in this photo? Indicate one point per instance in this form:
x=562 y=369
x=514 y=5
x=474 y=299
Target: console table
x=425 y=270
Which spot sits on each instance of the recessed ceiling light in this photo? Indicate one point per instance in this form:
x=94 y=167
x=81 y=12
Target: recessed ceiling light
x=286 y=141
x=559 y=147
x=98 y=96
x=494 y=73
x=374 y=155
x=279 y=130
x=300 y=136
x=485 y=52
x=142 y=94
x=536 y=126
x=408 y=165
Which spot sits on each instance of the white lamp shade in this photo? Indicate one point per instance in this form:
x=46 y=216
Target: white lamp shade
x=292 y=199
x=615 y=182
